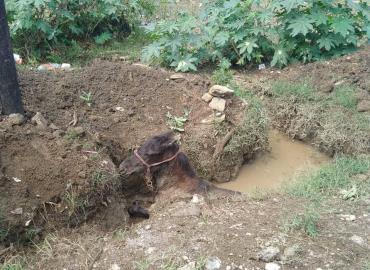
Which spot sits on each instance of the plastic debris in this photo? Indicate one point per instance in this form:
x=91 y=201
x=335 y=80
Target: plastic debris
x=53 y=66
x=18 y=59
x=17 y=180
x=261 y=67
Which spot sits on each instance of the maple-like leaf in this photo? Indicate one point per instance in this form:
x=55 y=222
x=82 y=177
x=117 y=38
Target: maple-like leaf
x=342 y=26
x=301 y=25
x=151 y=51
x=318 y=17
x=248 y=45
x=221 y=38
x=326 y=42
x=291 y=4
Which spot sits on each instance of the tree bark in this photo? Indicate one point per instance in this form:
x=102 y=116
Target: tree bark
x=10 y=94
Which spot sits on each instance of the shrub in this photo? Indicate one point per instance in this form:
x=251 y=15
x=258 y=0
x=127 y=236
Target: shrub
x=253 y=31
x=39 y=26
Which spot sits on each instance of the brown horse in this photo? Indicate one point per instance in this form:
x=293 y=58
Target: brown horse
x=159 y=164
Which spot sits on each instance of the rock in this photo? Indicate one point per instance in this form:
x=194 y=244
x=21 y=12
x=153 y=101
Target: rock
x=269 y=254
x=39 y=120
x=148 y=227
x=78 y=131
x=272 y=266
x=220 y=119
x=17 y=211
x=177 y=76
x=207 y=97
x=131 y=112
x=119 y=109
x=358 y=240
x=150 y=250
x=189 y=266
x=347 y=217
x=221 y=91
x=53 y=126
x=197 y=199
x=218 y=104
x=187 y=210
x=58 y=133
x=213 y=263
x=289 y=252
x=15 y=119
x=115 y=267
x=82 y=174
x=363 y=106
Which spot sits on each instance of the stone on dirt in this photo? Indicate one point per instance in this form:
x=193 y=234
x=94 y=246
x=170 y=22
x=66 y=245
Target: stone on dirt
x=289 y=252
x=177 y=77
x=218 y=104
x=79 y=131
x=207 y=97
x=115 y=267
x=272 y=266
x=221 y=91
x=197 y=199
x=358 y=240
x=363 y=106
x=268 y=254
x=17 y=211
x=53 y=126
x=40 y=120
x=15 y=119
x=189 y=266
x=213 y=263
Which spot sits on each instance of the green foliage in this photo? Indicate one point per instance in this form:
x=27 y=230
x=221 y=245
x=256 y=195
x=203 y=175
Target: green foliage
x=344 y=96
x=329 y=178
x=87 y=98
x=306 y=222
x=253 y=31
x=12 y=266
x=38 y=27
x=178 y=122
x=301 y=90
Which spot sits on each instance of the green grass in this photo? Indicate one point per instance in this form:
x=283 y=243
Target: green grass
x=79 y=54
x=302 y=90
x=222 y=76
x=344 y=96
x=306 y=222
x=142 y=265
x=13 y=266
x=329 y=178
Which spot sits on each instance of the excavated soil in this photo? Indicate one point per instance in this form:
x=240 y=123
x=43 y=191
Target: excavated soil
x=63 y=173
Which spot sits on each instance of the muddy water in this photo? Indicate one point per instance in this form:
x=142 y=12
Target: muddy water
x=286 y=159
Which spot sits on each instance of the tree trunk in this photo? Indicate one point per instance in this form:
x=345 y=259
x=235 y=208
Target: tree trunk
x=10 y=95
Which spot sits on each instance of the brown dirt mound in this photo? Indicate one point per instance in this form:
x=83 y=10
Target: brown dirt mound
x=66 y=173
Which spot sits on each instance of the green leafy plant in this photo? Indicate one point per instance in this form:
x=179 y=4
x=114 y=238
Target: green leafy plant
x=275 y=31
x=40 y=27
x=87 y=98
x=306 y=222
x=177 y=122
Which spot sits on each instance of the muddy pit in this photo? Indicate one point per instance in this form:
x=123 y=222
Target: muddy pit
x=285 y=160
x=67 y=167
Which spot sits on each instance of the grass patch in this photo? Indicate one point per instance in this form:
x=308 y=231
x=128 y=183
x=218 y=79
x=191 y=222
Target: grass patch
x=344 y=96
x=142 y=265
x=12 y=266
x=79 y=54
x=222 y=76
x=306 y=222
x=329 y=178
x=302 y=90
